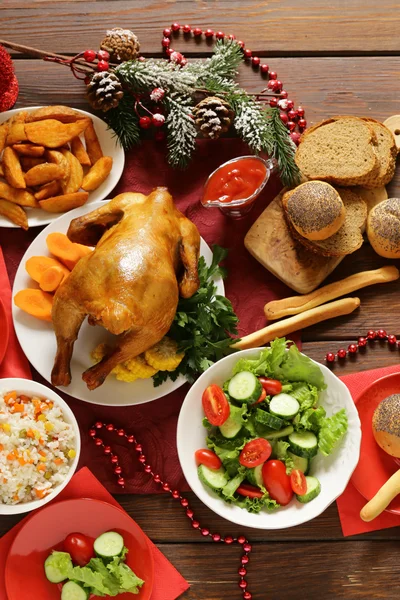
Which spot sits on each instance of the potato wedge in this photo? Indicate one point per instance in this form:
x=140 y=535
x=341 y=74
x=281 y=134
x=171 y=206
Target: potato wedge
x=65 y=202
x=97 y=174
x=93 y=147
x=53 y=188
x=29 y=150
x=3 y=136
x=21 y=197
x=44 y=173
x=74 y=181
x=12 y=168
x=16 y=133
x=78 y=150
x=52 y=133
x=58 y=158
x=20 y=117
x=27 y=162
x=14 y=213
x=65 y=114
x=1 y=170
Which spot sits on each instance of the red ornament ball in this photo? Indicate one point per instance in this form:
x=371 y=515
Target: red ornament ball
x=209 y=33
x=145 y=122
x=284 y=94
x=371 y=335
x=290 y=105
x=273 y=102
x=292 y=114
x=271 y=85
x=283 y=117
x=291 y=125
x=167 y=32
x=186 y=29
x=242 y=572
x=362 y=342
x=220 y=35
x=392 y=339
x=247 y=596
x=175 y=27
x=231 y=36
x=197 y=32
x=264 y=69
x=330 y=357
x=205 y=532
x=278 y=85
x=228 y=539
x=244 y=560
x=176 y=57
x=241 y=44
x=165 y=42
x=295 y=137
x=300 y=111
x=352 y=348
x=342 y=353
x=247 y=53
x=255 y=61
x=302 y=123
x=8 y=82
x=273 y=75
x=216 y=537
x=89 y=55
x=103 y=65
x=103 y=55
x=121 y=481
x=381 y=334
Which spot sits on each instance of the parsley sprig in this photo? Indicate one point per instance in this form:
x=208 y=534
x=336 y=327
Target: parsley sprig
x=203 y=324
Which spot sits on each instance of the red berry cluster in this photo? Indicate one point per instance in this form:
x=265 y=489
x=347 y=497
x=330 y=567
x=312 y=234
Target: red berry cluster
x=379 y=335
x=102 y=56
x=290 y=116
x=94 y=433
x=155 y=117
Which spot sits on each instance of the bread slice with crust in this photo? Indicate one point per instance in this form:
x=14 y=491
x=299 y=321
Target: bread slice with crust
x=340 y=150
x=387 y=152
x=349 y=237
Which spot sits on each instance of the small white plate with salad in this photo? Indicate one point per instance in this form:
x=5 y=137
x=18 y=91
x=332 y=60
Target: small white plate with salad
x=268 y=438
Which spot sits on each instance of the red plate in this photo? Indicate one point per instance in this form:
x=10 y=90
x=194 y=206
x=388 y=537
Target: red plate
x=4 y=331
x=375 y=466
x=46 y=530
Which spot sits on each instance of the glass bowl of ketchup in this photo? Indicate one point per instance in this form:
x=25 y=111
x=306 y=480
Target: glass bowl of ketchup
x=235 y=185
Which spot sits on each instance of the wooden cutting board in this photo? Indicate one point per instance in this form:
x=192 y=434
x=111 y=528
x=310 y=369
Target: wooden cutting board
x=271 y=243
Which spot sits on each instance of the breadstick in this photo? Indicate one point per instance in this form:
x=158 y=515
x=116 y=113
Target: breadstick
x=382 y=498
x=305 y=319
x=298 y=304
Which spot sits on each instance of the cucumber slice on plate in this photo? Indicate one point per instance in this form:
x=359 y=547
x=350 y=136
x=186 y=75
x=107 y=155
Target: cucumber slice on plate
x=233 y=424
x=303 y=443
x=52 y=571
x=73 y=591
x=244 y=387
x=215 y=479
x=109 y=544
x=255 y=477
x=300 y=462
x=313 y=490
x=269 y=420
x=284 y=406
x=270 y=434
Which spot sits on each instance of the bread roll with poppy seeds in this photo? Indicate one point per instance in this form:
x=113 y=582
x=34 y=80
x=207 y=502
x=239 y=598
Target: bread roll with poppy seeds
x=383 y=228
x=386 y=425
x=315 y=210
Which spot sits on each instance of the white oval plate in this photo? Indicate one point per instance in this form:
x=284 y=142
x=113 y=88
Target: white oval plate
x=333 y=471
x=110 y=146
x=38 y=341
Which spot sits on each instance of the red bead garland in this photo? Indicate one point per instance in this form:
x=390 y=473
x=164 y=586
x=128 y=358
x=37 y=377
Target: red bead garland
x=379 y=335
x=94 y=432
x=274 y=85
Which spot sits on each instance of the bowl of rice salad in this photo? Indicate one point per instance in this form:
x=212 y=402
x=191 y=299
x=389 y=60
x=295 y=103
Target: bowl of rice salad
x=39 y=445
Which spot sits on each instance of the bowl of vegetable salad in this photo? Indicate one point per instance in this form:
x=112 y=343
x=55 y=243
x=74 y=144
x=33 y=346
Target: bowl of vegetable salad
x=268 y=438
x=39 y=445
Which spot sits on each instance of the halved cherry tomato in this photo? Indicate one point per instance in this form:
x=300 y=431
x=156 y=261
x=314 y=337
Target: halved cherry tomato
x=298 y=482
x=262 y=397
x=245 y=489
x=208 y=458
x=271 y=386
x=80 y=548
x=255 y=453
x=277 y=482
x=215 y=405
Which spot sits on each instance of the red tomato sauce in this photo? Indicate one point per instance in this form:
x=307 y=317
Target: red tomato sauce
x=235 y=181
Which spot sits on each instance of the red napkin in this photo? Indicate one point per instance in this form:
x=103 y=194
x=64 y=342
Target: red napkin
x=351 y=501
x=249 y=286
x=168 y=583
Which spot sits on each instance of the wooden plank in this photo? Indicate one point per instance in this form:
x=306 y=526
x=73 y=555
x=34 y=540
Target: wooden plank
x=277 y=26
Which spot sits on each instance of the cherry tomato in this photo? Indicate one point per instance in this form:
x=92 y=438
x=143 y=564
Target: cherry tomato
x=255 y=453
x=262 y=397
x=250 y=491
x=215 y=405
x=277 y=482
x=80 y=548
x=208 y=458
x=271 y=386
x=298 y=482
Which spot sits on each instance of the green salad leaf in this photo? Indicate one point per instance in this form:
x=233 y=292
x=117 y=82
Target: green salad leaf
x=127 y=580
x=332 y=430
x=280 y=451
x=61 y=562
x=230 y=488
x=305 y=394
x=298 y=367
x=311 y=419
x=254 y=505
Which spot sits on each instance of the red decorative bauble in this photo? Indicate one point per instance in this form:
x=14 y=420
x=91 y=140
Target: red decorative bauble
x=292 y=114
x=302 y=123
x=342 y=353
x=89 y=55
x=255 y=61
x=165 y=42
x=167 y=32
x=352 y=348
x=247 y=53
x=209 y=33
x=264 y=69
x=103 y=55
x=176 y=57
x=291 y=125
x=144 y=122
x=220 y=35
x=300 y=111
x=8 y=82
x=273 y=102
x=186 y=29
x=330 y=357
x=283 y=116
x=273 y=75
x=197 y=32
x=284 y=94
x=175 y=27
x=295 y=137
x=103 y=65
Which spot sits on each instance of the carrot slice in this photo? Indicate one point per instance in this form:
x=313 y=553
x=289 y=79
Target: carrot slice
x=35 y=302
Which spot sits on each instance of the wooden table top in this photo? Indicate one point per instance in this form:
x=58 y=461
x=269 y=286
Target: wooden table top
x=334 y=58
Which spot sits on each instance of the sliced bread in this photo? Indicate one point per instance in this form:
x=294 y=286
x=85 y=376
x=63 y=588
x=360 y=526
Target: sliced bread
x=387 y=152
x=349 y=237
x=340 y=150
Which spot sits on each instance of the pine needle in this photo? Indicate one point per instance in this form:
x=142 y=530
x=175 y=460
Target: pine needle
x=123 y=120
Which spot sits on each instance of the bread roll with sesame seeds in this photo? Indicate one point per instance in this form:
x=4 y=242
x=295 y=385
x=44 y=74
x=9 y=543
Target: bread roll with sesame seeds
x=386 y=425
x=315 y=210
x=383 y=228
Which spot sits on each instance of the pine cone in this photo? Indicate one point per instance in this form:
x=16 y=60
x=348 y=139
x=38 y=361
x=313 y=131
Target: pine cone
x=104 y=91
x=121 y=44
x=213 y=116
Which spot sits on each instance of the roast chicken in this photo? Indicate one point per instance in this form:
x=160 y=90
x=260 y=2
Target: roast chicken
x=145 y=257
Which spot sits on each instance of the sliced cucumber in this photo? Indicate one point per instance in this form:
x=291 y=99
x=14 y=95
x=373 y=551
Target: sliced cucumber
x=303 y=443
x=233 y=424
x=245 y=387
x=109 y=544
x=255 y=477
x=215 y=479
x=270 y=434
x=52 y=571
x=284 y=406
x=299 y=462
x=313 y=490
x=73 y=591
x=265 y=418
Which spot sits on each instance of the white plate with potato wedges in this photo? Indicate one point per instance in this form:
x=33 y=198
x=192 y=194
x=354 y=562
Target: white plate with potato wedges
x=38 y=340
x=110 y=147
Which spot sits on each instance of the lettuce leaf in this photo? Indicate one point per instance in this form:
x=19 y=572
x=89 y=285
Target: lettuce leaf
x=312 y=419
x=230 y=488
x=60 y=561
x=267 y=362
x=297 y=367
x=92 y=579
x=280 y=451
x=254 y=505
x=332 y=430
x=305 y=394
x=127 y=580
